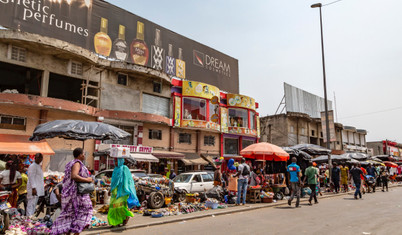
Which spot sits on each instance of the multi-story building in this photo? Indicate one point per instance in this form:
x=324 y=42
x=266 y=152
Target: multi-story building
x=354 y=140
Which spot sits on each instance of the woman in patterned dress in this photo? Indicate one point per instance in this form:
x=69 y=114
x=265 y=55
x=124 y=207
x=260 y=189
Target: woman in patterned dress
x=76 y=209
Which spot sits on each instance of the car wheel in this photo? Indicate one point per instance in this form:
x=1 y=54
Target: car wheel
x=156 y=200
x=181 y=197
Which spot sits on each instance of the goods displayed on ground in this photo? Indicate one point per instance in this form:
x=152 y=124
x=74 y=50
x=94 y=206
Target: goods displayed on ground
x=156 y=191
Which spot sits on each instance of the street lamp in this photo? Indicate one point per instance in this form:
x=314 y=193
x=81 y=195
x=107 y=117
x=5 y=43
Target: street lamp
x=319 y=5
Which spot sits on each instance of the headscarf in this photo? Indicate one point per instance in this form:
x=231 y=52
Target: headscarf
x=230 y=164
x=123 y=181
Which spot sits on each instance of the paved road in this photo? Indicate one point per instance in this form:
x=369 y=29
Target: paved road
x=378 y=213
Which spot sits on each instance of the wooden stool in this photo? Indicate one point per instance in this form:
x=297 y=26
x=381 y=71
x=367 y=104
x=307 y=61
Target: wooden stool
x=253 y=195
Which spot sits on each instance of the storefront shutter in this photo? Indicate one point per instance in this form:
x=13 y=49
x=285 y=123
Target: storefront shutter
x=155 y=105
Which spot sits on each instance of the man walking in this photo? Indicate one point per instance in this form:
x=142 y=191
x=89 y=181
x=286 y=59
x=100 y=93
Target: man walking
x=294 y=171
x=336 y=175
x=372 y=172
x=356 y=173
x=35 y=185
x=311 y=176
x=243 y=172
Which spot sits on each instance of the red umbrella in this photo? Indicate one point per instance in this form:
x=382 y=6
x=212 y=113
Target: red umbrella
x=265 y=151
x=390 y=164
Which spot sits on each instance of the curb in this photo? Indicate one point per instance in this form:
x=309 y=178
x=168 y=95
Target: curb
x=185 y=217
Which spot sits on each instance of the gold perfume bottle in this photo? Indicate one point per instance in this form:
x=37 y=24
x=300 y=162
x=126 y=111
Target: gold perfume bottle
x=180 y=65
x=120 y=45
x=102 y=41
x=139 y=49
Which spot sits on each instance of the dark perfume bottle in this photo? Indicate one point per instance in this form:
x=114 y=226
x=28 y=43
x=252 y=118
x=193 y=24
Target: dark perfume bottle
x=157 y=52
x=120 y=45
x=139 y=49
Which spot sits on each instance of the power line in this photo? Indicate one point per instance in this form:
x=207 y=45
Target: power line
x=331 y=3
x=375 y=112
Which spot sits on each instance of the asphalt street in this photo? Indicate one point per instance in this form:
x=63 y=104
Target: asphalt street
x=377 y=213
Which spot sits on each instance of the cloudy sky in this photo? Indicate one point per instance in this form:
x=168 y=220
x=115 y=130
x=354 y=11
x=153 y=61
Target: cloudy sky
x=278 y=41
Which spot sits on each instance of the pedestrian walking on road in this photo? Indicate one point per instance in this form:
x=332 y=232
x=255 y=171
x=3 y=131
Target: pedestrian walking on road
x=344 y=177
x=243 y=172
x=384 y=178
x=76 y=209
x=35 y=185
x=311 y=176
x=336 y=174
x=295 y=183
x=124 y=195
x=356 y=174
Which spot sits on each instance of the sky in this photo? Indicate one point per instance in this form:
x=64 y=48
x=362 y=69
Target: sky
x=278 y=41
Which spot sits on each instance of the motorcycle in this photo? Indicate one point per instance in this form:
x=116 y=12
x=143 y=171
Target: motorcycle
x=4 y=208
x=371 y=183
x=44 y=201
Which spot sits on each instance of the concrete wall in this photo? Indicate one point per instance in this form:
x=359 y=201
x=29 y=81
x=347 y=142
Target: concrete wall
x=185 y=147
x=279 y=129
x=118 y=97
x=207 y=148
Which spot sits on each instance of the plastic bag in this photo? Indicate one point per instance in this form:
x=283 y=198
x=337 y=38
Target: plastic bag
x=232 y=184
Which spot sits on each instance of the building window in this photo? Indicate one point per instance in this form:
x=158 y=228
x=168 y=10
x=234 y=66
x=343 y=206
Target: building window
x=238 y=118
x=75 y=68
x=195 y=109
x=14 y=123
x=209 y=140
x=155 y=134
x=231 y=146
x=321 y=134
x=155 y=105
x=17 y=53
x=157 y=87
x=337 y=142
x=122 y=79
x=312 y=133
x=292 y=129
x=253 y=126
x=246 y=143
x=185 y=138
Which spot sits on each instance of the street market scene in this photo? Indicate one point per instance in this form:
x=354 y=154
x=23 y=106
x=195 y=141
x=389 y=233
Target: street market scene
x=114 y=123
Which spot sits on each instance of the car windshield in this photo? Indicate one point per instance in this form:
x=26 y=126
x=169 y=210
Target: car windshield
x=139 y=174
x=182 y=178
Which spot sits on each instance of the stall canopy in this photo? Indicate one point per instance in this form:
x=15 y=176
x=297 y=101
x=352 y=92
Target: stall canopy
x=265 y=151
x=144 y=157
x=390 y=164
x=356 y=156
x=20 y=144
x=193 y=159
x=337 y=158
x=167 y=154
x=312 y=149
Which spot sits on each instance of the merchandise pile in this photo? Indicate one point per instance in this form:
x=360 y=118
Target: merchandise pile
x=95 y=222
x=156 y=183
x=267 y=194
x=25 y=226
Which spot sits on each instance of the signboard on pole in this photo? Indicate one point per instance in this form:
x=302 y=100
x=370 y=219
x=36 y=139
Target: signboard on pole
x=331 y=126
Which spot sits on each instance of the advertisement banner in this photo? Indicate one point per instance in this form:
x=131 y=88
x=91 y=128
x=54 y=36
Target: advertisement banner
x=258 y=126
x=331 y=126
x=199 y=89
x=201 y=124
x=115 y=33
x=241 y=131
x=224 y=120
x=240 y=101
x=177 y=111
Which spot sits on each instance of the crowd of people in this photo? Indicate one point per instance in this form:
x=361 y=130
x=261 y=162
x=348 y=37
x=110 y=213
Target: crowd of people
x=316 y=177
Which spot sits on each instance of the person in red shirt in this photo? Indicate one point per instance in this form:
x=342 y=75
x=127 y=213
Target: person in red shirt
x=362 y=177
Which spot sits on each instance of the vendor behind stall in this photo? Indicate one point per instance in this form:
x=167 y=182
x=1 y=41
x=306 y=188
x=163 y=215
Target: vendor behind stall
x=10 y=180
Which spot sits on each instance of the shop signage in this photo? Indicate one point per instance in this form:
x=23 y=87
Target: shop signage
x=258 y=127
x=133 y=148
x=177 y=111
x=199 y=89
x=224 y=120
x=394 y=151
x=115 y=33
x=241 y=131
x=201 y=124
x=240 y=101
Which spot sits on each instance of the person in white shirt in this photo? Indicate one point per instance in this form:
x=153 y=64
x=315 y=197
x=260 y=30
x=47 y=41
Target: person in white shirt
x=35 y=185
x=10 y=180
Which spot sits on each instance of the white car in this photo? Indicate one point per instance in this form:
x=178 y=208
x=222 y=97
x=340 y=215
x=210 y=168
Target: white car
x=194 y=182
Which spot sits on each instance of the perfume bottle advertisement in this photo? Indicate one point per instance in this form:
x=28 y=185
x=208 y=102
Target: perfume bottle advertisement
x=157 y=53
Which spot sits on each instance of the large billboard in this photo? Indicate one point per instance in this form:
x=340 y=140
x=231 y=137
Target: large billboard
x=118 y=34
x=300 y=101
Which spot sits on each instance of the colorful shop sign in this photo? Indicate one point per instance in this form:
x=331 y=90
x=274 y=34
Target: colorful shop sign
x=241 y=101
x=177 y=111
x=224 y=120
x=201 y=124
x=241 y=131
x=258 y=126
x=199 y=89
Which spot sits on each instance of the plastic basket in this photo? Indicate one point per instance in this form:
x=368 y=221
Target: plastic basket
x=212 y=205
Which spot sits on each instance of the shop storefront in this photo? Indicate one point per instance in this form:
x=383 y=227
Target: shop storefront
x=240 y=124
